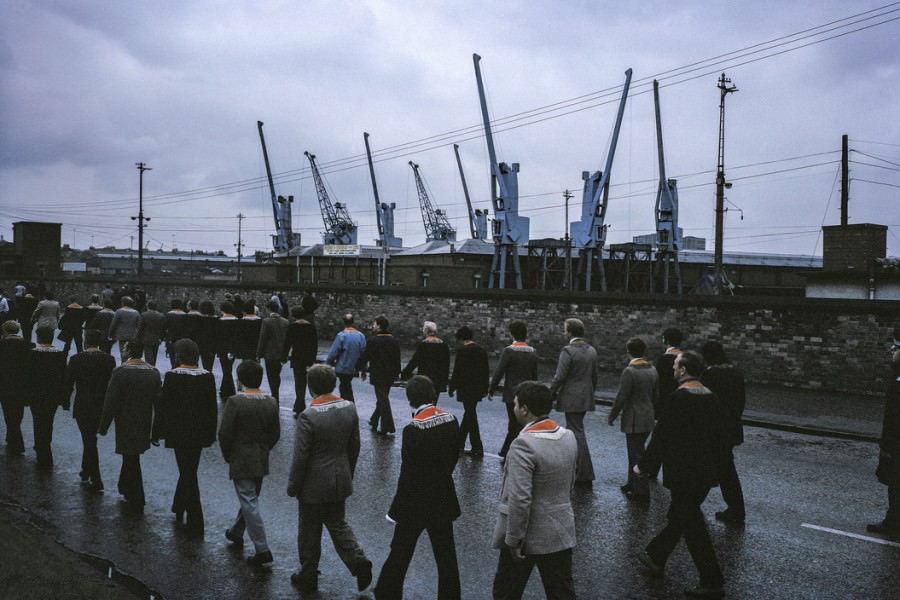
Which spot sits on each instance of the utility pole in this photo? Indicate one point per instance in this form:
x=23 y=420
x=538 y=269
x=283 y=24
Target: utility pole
x=567 y=195
x=140 y=219
x=845 y=179
x=240 y=245
x=725 y=88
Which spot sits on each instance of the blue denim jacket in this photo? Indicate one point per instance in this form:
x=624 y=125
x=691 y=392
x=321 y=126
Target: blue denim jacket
x=348 y=346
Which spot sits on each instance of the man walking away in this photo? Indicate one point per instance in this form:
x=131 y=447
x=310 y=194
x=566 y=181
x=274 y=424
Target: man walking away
x=537 y=522
x=250 y=428
x=382 y=359
x=301 y=344
x=518 y=363
x=270 y=345
x=326 y=448
x=346 y=349
x=470 y=380
x=426 y=497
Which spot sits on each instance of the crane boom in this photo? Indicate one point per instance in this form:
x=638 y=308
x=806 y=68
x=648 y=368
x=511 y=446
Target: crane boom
x=339 y=227
x=477 y=218
x=384 y=212
x=668 y=240
x=375 y=190
x=284 y=238
x=437 y=226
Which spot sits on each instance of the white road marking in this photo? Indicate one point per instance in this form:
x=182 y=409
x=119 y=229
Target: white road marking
x=855 y=536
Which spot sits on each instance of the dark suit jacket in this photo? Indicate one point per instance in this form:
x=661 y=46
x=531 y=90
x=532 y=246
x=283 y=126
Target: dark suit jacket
x=471 y=373
x=425 y=490
x=432 y=359
x=518 y=363
x=46 y=387
x=688 y=438
x=187 y=413
x=727 y=383
x=153 y=328
x=381 y=358
x=88 y=374
x=301 y=342
x=14 y=355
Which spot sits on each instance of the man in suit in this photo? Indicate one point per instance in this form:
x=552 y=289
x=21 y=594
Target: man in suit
x=14 y=355
x=326 y=447
x=382 y=359
x=227 y=332
x=687 y=441
x=537 y=522
x=45 y=392
x=249 y=430
x=152 y=331
x=270 y=346
x=518 y=363
x=125 y=325
x=426 y=497
x=301 y=342
x=573 y=390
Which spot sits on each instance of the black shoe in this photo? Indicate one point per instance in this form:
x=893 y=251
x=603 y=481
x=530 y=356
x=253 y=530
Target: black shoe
x=626 y=488
x=638 y=498
x=237 y=540
x=260 y=559
x=364 y=575
x=474 y=454
x=85 y=478
x=730 y=516
x=881 y=528
x=95 y=485
x=705 y=592
x=648 y=563
x=305 y=586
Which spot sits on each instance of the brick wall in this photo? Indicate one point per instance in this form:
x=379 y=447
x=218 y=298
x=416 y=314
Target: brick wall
x=797 y=342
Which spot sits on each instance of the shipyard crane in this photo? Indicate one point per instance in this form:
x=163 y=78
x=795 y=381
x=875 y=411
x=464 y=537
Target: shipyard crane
x=437 y=227
x=339 y=228
x=477 y=217
x=384 y=212
x=509 y=229
x=668 y=240
x=284 y=238
x=589 y=234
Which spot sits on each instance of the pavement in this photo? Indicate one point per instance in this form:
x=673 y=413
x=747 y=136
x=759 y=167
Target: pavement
x=153 y=559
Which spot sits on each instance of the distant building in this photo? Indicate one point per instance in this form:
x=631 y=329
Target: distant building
x=687 y=242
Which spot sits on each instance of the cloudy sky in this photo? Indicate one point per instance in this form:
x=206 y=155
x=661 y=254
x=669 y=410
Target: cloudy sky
x=90 y=88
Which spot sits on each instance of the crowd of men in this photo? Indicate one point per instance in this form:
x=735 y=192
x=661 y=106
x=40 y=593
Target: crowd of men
x=688 y=405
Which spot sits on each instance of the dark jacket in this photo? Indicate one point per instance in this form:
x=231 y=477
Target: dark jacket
x=102 y=320
x=14 y=354
x=688 y=438
x=425 y=490
x=46 y=383
x=71 y=322
x=727 y=383
x=153 y=328
x=247 y=337
x=664 y=368
x=518 y=363
x=187 y=413
x=130 y=396
x=431 y=359
x=250 y=428
x=471 y=373
x=888 y=471
x=381 y=359
x=88 y=374
x=301 y=344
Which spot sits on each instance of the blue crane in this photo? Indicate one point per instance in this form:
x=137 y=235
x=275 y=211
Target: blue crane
x=589 y=233
x=384 y=212
x=668 y=240
x=509 y=229
x=284 y=238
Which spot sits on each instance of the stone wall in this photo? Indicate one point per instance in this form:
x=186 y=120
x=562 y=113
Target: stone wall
x=807 y=343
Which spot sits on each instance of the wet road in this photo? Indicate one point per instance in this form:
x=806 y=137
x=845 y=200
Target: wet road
x=808 y=500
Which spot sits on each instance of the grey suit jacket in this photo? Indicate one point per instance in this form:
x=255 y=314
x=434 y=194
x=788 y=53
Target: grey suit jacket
x=271 y=337
x=638 y=388
x=326 y=446
x=576 y=377
x=125 y=325
x=535 y=498
x=250 y=428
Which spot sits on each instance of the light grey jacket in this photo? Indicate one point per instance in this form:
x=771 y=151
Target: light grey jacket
x=535 y=497
x=576 y=377
x=638 y=388
x=326 y=447
x=125 y=325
